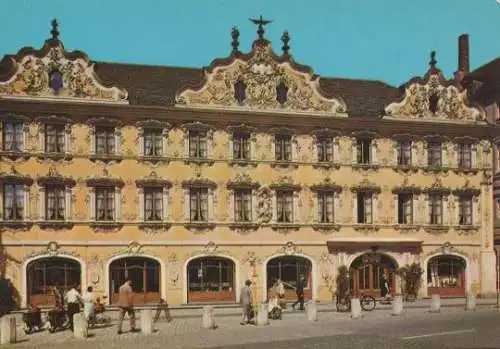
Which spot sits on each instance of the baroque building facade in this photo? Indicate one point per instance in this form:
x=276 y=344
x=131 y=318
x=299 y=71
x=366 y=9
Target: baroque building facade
x=190 y=181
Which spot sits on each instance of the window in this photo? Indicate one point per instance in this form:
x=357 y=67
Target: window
x=434 y=154
x=465 y=211
x=13 y=136
x=284 y=206
x=365 y=208
x=197 y=144
x=153 y=142
x=405 y=209
x=404 y=153
x=153 y=204
x=198 y=204
x=55 y=138
x=435 y=209
x=464 y=154
x=325 y=207
x=363 y=151
x=105 y=203
x=241 y=146
x=283 y=148
x=13 y=202
x=325 y=150
x=243 y=205
x=105 y=141
x=55 y=202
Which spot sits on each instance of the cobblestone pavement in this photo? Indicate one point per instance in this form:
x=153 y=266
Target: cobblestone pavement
x=188 y=333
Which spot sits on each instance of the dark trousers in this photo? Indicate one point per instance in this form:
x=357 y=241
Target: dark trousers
x=300 y=301
x=73 y=308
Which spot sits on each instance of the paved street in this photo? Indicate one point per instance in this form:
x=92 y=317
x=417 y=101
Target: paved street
x=416 y=328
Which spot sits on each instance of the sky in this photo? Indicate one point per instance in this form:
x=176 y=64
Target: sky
x=387 y=40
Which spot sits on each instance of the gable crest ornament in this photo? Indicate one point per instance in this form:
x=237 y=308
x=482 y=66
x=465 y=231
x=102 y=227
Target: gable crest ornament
x=259 y=81
x=53 y=73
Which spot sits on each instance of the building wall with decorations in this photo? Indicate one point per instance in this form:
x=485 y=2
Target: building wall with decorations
x=191 y=181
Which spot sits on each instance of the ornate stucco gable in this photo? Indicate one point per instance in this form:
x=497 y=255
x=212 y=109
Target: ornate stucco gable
x=52 y=73
x=433 y=99
x=260 y=81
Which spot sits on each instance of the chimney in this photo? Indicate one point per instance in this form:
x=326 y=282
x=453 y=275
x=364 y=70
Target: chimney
x=463 y=53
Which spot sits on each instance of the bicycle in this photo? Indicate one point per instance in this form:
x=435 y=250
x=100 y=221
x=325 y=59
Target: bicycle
x=367 y=303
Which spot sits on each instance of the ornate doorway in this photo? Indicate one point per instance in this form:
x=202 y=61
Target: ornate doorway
x=446 y=276
x=367 y=270
x=46 y=273
x=288 y=269
x=211 y=279
x=145 y=276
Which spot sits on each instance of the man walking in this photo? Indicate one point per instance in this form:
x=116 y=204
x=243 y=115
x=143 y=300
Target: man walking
x=126 y=306
x=299 y=290
x=73 y=299
x=246 y=303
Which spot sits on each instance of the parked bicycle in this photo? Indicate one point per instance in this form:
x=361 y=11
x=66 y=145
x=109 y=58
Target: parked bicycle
x=368 y=303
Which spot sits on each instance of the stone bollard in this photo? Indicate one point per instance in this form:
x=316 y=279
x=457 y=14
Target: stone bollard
x=80 y=326
x=208 y=317
x=8 y=333
x=262 y=316
x=435 y=303
x=312 y=311
x=147 y=321
x=470 y=301
x=356 y=312
x=397 y=305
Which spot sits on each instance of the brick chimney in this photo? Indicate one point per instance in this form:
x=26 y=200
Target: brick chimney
x=463 y=57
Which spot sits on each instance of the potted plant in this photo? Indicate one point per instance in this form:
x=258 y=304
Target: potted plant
x=342 y=282
x=411 y=276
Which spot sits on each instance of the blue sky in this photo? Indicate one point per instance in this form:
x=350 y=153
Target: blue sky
x=386 y=40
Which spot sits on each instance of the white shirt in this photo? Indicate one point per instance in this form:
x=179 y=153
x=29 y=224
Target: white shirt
x=88 y=304
x=72 y=296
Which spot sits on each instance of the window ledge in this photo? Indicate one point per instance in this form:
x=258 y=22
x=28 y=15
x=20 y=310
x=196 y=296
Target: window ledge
x=106 y=158
x=55 y=156
x=327 y=165
x=200 y=227
x=435 y=169
x=366 y=227
x=153 y=226
x=153 y=159
x=16 y=225
x=55 y=225
x=243 y=162
x=285 y=227
x=284 y=164
x=405 y=168
x=436 y=228
x=407 y=227
x=199 y=161
x=106 y=226
x=243 y=226
x=366 y=167
x=15 y=155
x=326 y=227
x=467 y=229
x=469 y=171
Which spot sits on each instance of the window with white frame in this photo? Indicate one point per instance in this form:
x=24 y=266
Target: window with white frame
x=464 y=155
x=405 y=208
x=284 y=206
x=364 y=149
x=325 y=149
x=105 y=203
x=13 y=134
x=153 y=139
x=198 y=204
x=243 y=205
x=55 y=138
x=434 y=154
x=55 y=202
x=198 y=144
x=465 y=211
x=283 y=147
x=14 y=201
x=403 y=149
x=241 y=146
x=153 y=204
x=435 y=209
x=365 y=207
x=326 y=206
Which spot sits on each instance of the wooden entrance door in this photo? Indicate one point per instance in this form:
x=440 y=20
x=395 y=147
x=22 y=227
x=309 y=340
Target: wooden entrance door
x=366 y=276
x=211 y=280
x=446 y=276
x=288 y=269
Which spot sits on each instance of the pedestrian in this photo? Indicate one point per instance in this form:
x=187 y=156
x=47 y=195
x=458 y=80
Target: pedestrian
x=88 y=304
x=299 y=290
x=385 y=290
x=73 y=299
x=246 y=303
x=58 y=298
x=126 y=305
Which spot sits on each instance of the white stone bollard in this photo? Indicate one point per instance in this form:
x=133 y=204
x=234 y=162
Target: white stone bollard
x=356 y=312
x=262 y=316
x=80 y=326
x=208 y=317
x=312 y=311
x=470 y=301
x=147 y=321
x=397 y=305
x=435 y=303
x=8 y=334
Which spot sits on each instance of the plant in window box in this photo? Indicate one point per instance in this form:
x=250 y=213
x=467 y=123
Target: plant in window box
x=411 y=277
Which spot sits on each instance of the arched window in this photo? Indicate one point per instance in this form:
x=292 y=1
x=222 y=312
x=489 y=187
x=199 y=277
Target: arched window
x=43 y=275
x=289 y=269
x=446 y=275
x=211 y=279
x=145 y=276
x=367 y=270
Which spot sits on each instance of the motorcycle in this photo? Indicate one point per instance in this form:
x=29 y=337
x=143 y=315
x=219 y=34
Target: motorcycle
x=57 y=320
x=98 y=318
x=32 y=320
